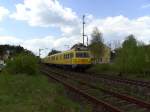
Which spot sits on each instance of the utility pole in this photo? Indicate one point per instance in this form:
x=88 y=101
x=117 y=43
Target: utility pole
x=83 y=28
x=40 y=52
x=87 y=40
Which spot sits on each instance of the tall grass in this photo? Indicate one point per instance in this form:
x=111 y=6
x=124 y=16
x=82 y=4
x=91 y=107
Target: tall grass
x=28 y=93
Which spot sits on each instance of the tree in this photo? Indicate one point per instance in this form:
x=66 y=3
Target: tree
x=131 y=57
x=97 y=45
x=53 y=51
x=130 y=42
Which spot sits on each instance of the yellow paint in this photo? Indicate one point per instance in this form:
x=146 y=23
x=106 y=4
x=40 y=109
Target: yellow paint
x=59 y=58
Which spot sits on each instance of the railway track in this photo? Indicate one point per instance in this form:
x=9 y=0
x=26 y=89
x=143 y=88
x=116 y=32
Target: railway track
x=99 y=104
x=113 y=78
x=123 y=80
x=115 y=83
x=113 y=99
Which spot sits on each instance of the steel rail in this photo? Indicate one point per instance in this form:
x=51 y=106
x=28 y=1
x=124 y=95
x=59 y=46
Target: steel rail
x=90 y=98
x=128 y=98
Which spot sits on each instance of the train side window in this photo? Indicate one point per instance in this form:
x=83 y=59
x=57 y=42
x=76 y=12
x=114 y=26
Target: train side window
x=64 y=56
x=71 y=55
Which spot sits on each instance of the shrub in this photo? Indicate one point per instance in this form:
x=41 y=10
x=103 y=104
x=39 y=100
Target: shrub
x=22 y=63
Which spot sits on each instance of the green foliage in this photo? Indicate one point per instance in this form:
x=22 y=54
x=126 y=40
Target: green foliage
x=22 y=63
x=96 y=46
x=53 y=52
x=131 y=57
x=99 y=68
x=24 y=93
x=130 y=42
x=13 y=50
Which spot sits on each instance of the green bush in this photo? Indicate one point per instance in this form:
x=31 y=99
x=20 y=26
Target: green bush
x=100 y=68
x=22 y=63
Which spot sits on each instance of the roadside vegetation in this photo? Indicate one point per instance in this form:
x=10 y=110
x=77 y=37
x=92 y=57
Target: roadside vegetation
x=30 y=93
x=22 y=63
x=132 y=57
x=24 y=89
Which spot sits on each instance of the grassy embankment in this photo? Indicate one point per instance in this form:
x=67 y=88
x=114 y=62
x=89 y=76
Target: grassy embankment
x=25 y=93
x=23 y=89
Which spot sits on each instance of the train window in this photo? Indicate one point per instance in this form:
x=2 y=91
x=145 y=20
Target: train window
x=67 y=56
x=64 y=56
x=71 y=55
x=82 y=55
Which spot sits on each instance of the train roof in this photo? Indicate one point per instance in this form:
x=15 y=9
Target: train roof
x=72 y=50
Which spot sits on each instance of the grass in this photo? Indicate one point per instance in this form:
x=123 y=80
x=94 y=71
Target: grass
x=101 y=68
x=111 y=69
x=27 y=93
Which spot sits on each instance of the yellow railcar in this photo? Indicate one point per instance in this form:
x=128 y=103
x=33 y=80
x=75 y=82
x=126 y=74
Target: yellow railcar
x=71 y=58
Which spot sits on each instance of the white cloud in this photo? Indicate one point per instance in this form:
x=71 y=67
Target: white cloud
x=45 y=42
x=118 y=27
x=113 y=28
x=50 y=13
x=3 y=12
x=10 y=40
x=45 y=13
x=49 y=42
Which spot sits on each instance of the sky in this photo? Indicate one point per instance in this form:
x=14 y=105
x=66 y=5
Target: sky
x=57 y=24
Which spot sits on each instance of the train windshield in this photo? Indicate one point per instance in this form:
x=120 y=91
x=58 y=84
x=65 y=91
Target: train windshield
x=82 y=54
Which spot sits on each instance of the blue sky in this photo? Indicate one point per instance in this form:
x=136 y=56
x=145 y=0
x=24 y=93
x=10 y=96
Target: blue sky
x=104 y=8
x=98 y=8
x=30 y=22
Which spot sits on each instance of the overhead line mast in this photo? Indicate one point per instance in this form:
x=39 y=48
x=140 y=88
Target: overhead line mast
x=83 y=28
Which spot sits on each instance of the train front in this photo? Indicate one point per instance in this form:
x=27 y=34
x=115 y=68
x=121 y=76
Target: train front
x=82 y=59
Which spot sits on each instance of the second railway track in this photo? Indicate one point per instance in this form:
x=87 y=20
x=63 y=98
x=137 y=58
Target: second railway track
x=123 y=103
